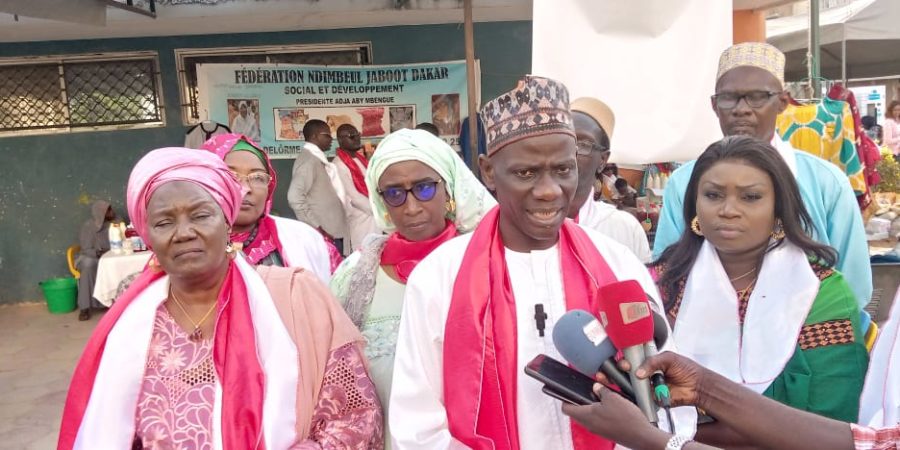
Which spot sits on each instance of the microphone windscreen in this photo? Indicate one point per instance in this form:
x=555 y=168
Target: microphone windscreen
x=660 y=324
x=625 y=313
x=660 y=330
x=581 y=340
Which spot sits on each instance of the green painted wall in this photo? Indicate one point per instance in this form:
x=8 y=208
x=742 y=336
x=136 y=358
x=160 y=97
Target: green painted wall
x=48 y=181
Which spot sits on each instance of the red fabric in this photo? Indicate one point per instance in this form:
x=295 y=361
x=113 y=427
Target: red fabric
x=480 y=372
x=334 y=256
x=357 y=174
x=265 y=242
x=866 y=438
x=404 y=255
x=372 y=118
x=234 y=356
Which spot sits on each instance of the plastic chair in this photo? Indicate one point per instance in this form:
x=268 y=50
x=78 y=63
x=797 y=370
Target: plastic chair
x=871 y=336
x=70 y=258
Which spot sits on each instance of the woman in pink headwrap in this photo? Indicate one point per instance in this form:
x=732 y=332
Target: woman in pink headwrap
x=203 y=351
x=266 y=239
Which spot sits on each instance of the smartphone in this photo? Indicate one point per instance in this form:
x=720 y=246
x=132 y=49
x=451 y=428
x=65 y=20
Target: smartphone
x=561 y=381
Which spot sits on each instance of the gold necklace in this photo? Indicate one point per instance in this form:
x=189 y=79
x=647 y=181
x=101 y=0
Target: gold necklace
x=744 y=291
x=742 y=276
x=195 y=335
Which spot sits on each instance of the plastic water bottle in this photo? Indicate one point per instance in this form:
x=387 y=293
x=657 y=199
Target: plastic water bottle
x=115 y=239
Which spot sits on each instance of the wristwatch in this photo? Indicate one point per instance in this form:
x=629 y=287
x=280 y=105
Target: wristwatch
x=677 y=442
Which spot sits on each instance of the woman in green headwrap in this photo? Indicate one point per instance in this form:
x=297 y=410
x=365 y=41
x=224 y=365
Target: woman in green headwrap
x=422 y=195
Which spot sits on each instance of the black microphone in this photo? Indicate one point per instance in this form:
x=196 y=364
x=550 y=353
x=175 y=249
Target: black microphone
x=540 y=318
x=582 y=341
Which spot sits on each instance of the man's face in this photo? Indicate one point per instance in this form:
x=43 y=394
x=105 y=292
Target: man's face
x=591 y=156
x=322 y=138
x=760 y=98
x=535 y=180
x=348 y=138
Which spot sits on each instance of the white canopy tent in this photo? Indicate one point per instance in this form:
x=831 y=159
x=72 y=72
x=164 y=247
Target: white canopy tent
x=859 y=40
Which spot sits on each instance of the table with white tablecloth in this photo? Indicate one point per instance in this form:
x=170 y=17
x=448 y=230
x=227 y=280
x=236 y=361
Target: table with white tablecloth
x=114 y=269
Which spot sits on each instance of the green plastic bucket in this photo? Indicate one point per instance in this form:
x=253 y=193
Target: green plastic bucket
x=61 y=294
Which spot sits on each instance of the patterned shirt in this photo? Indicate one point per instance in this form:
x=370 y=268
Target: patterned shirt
x=865 y=438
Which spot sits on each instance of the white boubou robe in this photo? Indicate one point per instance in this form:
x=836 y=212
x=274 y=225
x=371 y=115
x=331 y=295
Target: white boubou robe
x=879 y=405
x=621 y=226
x=418 y=419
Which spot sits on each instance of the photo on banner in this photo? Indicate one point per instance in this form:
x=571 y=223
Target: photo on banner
x=271 y=103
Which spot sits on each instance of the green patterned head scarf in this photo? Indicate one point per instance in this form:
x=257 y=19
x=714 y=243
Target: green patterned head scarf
x=471 y=198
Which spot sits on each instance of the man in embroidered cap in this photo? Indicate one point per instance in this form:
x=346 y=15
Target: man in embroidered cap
x=749 y=96
x=594 y=123
x=481 y=306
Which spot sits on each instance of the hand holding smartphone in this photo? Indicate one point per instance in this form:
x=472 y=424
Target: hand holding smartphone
x=561 y=382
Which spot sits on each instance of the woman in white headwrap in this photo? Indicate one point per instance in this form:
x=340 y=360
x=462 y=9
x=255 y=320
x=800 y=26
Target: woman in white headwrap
x=422 y=196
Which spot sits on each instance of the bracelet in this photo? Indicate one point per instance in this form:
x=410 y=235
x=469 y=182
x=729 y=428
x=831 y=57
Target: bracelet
x=677 y=442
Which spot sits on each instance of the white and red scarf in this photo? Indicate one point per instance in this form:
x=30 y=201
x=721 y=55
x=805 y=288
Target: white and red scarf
x=255 y=401
x=479 y=379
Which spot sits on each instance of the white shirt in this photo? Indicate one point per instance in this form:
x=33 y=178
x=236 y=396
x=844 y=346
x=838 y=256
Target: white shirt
x=418 y=419
x=621 y=226
x=360 y=221
x=304 y=247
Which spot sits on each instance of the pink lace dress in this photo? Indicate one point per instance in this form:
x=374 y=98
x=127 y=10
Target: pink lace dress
x=176 y=400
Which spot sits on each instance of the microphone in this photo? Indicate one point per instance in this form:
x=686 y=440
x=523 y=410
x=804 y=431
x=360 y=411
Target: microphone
x=582 y=341
x=625 y=314
x=657 y=379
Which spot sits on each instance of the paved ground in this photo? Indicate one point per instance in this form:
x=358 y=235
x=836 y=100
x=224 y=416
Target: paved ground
x=38 y=352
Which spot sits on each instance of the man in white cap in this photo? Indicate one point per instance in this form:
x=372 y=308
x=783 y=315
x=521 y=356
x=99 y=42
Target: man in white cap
x=594 y=123
x=749 y=96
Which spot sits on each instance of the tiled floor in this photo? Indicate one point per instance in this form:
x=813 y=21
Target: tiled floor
x=38 y=352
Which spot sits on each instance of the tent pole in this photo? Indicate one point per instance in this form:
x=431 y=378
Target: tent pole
x=844 y=60
x=813 y=55
x=469 y=31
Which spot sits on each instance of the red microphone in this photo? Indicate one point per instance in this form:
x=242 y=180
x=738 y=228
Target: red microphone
x=626 y=316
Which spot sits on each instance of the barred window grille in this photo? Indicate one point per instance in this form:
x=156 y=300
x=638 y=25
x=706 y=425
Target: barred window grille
x=79 y=93
x=322 y=55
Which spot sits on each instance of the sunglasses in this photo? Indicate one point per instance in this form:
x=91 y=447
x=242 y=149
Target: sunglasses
x=423 y=191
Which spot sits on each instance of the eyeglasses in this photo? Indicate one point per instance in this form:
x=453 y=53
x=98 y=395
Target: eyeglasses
x=255 y=179
x=349 y=135
x=584 y=148
x=423 y=191
x=755 y=99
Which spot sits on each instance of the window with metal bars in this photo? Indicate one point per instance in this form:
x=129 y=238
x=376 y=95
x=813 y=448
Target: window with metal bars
x=345 y=54
x=79 y=92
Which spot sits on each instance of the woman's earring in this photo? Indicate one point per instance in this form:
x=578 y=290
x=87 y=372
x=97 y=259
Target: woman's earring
x=153 y=264
x=451 y=206
x=695 y=226
x=387 y=218
x=229 y=249
x=778 y=231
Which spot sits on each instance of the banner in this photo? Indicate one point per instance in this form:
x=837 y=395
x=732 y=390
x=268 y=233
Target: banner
x=270 y=103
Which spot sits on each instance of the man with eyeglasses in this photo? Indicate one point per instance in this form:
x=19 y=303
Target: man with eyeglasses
x=351 y=165
x=594 y=122
x=479 y=307
x=749 y=96
x=316 y=194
